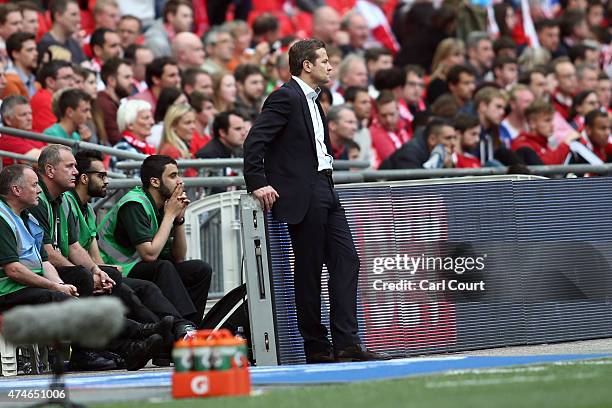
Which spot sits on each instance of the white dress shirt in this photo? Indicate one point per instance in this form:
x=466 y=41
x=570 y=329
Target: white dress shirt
x=323 y=157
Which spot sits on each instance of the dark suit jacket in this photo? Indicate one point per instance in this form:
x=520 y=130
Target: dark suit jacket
x=280 y=151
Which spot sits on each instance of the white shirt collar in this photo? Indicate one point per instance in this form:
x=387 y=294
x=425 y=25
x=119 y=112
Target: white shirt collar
x=308 y=91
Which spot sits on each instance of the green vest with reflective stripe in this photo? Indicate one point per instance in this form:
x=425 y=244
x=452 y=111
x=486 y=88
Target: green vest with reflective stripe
x=113 y=253
x=28 y=247
x=86 y=227
x=60 y=238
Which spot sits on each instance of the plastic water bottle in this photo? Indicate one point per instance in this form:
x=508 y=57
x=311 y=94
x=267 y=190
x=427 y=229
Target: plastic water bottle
x=240 y=333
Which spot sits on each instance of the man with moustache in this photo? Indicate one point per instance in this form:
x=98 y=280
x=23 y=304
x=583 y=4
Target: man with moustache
x=117 y=76
x=145 y=300
x=144 y=234
x=288 y=168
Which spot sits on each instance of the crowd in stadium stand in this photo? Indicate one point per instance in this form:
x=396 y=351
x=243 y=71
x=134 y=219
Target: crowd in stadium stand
x=415 y=84
x=188 y=79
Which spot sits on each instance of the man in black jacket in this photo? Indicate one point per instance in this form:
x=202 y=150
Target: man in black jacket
x=288 y=167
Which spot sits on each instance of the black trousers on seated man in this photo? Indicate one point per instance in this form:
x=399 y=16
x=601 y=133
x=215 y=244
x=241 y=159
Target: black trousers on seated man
x=189 y=293
x=31 y=296
x=323 y=236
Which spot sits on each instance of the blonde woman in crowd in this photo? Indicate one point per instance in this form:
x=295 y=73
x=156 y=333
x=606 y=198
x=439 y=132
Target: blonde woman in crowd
x=179 y=128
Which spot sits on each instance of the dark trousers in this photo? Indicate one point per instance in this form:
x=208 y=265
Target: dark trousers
x=31 y=296
x=324 y=236
x=184 y=284
x=153 y=303
x=78 y=276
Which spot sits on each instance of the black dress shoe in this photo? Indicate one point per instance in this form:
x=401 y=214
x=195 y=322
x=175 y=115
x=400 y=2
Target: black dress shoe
x=163 y=328
x=87 y=360
x=358 y=353
x=320 y=357
x=138 y=353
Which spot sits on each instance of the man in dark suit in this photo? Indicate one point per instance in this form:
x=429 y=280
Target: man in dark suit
x=288 y=168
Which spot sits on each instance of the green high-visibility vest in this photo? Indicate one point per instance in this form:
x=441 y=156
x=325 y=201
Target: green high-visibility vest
x=113 y=253
x=60 y=238
x=86 y=227
x=29 y=242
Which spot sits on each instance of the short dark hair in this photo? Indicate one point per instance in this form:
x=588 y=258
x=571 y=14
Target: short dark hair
x=172 y=6
x=197 y=99
x=11 y=175
x=435 y=124
x=59 y=6
x=525 y=77
x=6 y=9
x=503 y=43
x=578 y=51
x=389 y=78
x=374 y=53
x=385 y=97
x=464 y=122
x=83 y=72
x=577 y=100
x=153 y=167
x=304 y=50
x=110 y=68
x=548 y=23
x=221 y=122
x=130 y=51
x=156 y=69
x=414 y=69
x=50 y=70
x=15 y=42
x=190 y=76
x=84 y=159
x=351 y=93
x=592 y=116
x=97 y=37
x=537 y=107
x=455 y=72
x=71 y=98
x=131 y=17
x=28 y=5
x=265 y=23
x=243 y=71
x=166 y=98
x=503 y=60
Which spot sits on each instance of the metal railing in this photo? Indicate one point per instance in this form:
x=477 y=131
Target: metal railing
x=236 y=162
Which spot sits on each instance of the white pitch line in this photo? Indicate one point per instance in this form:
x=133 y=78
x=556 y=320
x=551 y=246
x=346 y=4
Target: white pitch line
x=509 y=380
x=497 y=370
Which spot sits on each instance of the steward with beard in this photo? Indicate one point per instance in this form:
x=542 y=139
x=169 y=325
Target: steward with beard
x=145 y=301
x=117 y=75
x=144 y=233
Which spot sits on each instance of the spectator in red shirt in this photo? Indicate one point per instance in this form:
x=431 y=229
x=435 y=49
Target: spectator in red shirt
x=583 y=103
x=117 y=76
x=205 y=112
x=387 y=130
x=540 y=119
x=468 y=132
x=17 y=113
x=53 y=75
x=604 y=91
x=567 y=81
x=597 y=134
